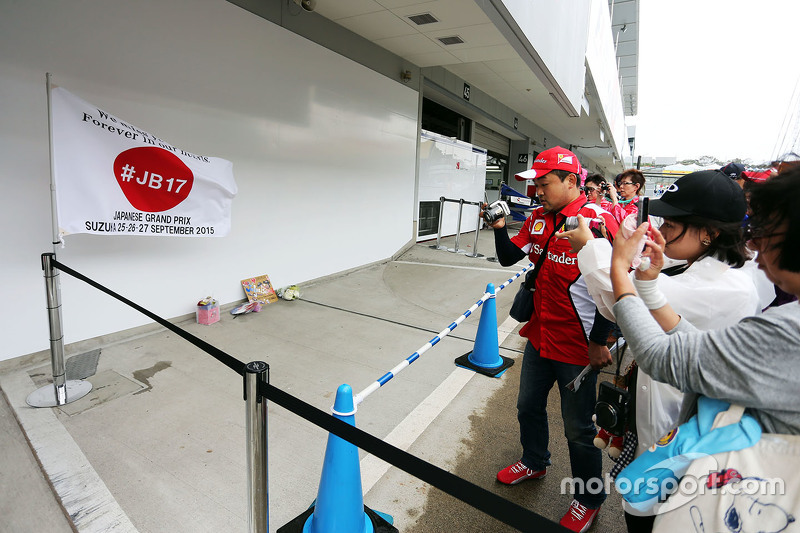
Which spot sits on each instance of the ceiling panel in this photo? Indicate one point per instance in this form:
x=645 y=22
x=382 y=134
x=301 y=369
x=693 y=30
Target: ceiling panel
x=409 y=45
x=378 y=25
x=347 y=8
x=627 y=48
x=433 y=59
x=391 y=4
x=484 y=53
x=466 y=69
x=486 y=60
x=514 y=64
x=473 y=36
x=451 y=14
x=525 y=79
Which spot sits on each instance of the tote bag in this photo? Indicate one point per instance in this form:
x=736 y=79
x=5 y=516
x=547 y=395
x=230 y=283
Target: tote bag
x=752 y=489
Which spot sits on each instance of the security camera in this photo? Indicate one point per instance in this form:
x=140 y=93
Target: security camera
x=307 y=5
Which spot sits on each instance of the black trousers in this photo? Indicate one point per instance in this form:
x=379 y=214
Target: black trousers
x=639 y=524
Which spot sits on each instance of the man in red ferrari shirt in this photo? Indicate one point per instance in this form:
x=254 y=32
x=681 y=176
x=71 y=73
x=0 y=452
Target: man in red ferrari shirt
x=565 y=334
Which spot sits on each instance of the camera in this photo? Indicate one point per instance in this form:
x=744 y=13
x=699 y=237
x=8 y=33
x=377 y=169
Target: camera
x=572 y=222
x=611 y=409
x=605 y=187
x=495 y=212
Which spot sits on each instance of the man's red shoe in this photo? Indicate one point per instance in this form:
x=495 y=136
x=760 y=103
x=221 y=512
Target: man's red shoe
x=511 y=475
x=579 y=518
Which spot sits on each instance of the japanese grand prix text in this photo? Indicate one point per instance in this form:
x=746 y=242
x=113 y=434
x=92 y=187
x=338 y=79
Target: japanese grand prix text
x=135 y=222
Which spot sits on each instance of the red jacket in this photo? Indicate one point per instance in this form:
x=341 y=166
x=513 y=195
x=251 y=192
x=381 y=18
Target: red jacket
x=622 y=211
x=563 y=311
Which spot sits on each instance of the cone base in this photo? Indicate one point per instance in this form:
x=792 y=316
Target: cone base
x=493 y=372
x=379 y=523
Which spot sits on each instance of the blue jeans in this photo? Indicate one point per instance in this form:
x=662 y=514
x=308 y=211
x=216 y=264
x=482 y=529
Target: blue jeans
x=536 y=379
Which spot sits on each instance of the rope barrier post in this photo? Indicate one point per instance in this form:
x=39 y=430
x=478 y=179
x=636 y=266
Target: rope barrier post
x=256 y=429
x=477 y=232
x=63 y=391
x=458 y=229
x=438 y=245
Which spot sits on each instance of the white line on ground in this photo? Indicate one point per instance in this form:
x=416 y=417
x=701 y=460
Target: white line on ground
x=454 y=266
x=410 y=429
x=83 y=494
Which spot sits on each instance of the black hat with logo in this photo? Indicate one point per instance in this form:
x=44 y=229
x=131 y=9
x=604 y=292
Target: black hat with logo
x=733 y=170
x=708 y=193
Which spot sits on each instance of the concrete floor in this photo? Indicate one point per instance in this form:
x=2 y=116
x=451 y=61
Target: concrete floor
x=159 y=444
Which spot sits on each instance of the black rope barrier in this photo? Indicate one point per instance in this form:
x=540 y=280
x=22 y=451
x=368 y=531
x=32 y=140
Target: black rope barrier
x=482 y=499
x=224 y=358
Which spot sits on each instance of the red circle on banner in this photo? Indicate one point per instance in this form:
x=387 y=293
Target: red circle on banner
x=152 y=179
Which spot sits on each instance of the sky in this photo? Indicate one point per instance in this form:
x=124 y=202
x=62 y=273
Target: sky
x=716 y=77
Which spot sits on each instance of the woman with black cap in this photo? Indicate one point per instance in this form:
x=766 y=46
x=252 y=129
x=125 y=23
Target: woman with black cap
x=702 y=216
x=752 y=363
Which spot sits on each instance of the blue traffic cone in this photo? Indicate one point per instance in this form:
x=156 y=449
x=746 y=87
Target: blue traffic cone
x=340 y=502
x=339 y=507
x=485 y=356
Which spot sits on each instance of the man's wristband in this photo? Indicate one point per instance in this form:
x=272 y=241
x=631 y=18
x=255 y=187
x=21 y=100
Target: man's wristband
x=649 y=292
x=623 y=295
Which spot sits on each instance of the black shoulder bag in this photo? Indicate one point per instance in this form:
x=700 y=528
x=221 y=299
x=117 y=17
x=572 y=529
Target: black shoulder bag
x=522 y=308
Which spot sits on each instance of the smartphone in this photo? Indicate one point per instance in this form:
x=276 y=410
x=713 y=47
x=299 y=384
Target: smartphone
x=644 y=211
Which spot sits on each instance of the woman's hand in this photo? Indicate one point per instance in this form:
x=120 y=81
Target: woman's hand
x=654 y=251
x=625 y=250
x=612 y=193
x=577 y=237
x=623 y=253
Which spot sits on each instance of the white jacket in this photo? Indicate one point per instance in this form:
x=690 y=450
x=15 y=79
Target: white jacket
x=709 y=295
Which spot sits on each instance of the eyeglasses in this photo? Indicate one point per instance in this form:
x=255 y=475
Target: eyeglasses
x=620 y=184
x=591 y=189
x=757 y=235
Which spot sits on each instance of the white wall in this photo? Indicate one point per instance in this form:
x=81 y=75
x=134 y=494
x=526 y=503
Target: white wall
x=558 y=32
x=601 y=60
x=322 y=149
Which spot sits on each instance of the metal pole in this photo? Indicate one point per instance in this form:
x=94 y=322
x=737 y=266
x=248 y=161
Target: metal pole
x=439 y=233
x=458 y=229
x=477 y=232
x=63 y=391
x=256 y=429
x=53 y=289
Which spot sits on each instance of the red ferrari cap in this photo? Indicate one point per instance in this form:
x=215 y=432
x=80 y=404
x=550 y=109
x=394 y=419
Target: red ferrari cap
x=556 y=158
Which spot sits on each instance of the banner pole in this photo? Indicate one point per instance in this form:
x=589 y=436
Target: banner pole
x=53 y=200
x=62 y=391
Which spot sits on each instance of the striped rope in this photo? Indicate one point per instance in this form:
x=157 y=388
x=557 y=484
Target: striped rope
x=381 y=381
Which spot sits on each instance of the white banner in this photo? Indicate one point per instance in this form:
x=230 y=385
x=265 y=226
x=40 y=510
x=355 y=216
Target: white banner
x=112 y=178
